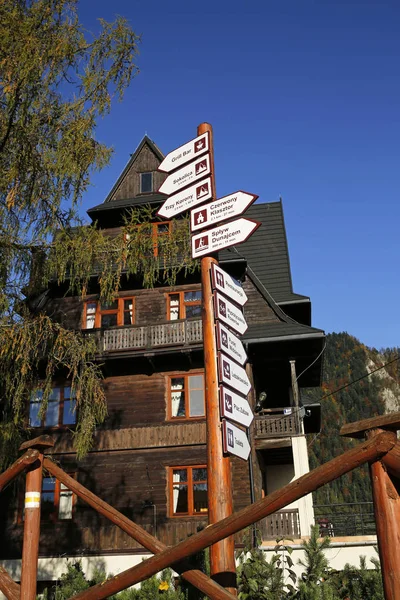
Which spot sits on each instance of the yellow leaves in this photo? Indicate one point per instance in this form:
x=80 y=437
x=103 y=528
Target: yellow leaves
x=11 y=197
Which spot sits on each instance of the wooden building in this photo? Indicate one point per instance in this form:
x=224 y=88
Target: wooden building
x=149 y=458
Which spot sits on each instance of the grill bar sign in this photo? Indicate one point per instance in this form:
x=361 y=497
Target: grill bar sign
x=235 y=440
x=186 y=175
x=191 y=196
x=223 y=236
x=231 y=374
x=230 y=314
x=230 y=344
x=228 y=285
x=186 y=153
x=234 y=407
x=220 y=210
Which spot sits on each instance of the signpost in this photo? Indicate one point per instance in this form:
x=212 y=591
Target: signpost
x=231 y=374
x=229 y=314
x=235 y=440
x=221 y=210
x=226 y=284
x=185 y=153
x=182 y=201
x=186 y=175
x=230 y=344
x=221 y=237
x=235 y=407
x=192 y=183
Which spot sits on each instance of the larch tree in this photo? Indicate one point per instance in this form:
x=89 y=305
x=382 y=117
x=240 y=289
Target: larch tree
x=56 y=82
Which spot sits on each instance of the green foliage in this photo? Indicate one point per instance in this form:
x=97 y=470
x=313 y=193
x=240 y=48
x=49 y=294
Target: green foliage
x=56 y=81
x=360 y=583
x=134 y=251
x=156 y=587
x=316 y=582
x=346 y=360
x=22 y=348
x=72 y=582
x=259 y=579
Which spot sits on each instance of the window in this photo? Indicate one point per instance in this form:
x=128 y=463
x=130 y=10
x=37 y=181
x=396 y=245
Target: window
x=60 y=408
x=113 y=314
x=57 y=501
x=186 y=396
x=184 y=305
x=159 y=230
x=188 y=490
x=146 y=183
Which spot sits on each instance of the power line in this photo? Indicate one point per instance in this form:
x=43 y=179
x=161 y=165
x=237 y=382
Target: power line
x=360 y=378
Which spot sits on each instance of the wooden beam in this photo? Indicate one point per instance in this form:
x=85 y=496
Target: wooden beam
x=8 y=586
x=17 y=467
x=368 y=451
x=387 y=517
x=195 y=577
x=391 y=460
x=42 y=441
x=357 y=429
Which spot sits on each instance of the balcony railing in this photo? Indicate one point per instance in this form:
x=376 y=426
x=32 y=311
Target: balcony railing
x=277 y=423
x=172 y=333
x=282 y=524
x=345 y=519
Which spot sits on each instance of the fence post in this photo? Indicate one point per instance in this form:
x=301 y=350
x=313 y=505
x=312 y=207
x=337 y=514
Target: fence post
x=33 y=490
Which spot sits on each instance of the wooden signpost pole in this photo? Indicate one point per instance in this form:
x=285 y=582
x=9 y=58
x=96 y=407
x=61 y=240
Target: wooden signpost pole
x=219 y=482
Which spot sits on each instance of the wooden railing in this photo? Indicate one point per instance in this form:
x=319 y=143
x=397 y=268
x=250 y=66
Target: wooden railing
x=276 y=424
x=172 y=333
x=282 y=524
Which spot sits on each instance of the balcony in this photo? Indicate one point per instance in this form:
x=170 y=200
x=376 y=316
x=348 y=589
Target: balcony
x=282 y=524
x=277 y=423
x=345 y=519
x=149 y=337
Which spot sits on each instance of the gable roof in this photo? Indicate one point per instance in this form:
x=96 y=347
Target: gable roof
x=266 y=252
x=145 y=141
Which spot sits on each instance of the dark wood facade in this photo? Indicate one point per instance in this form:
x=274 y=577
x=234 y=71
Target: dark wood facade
x=140 y=442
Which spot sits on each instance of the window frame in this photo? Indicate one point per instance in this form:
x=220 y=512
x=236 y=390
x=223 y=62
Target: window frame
x=52 y=516
x=152 y=182
x=62 y=399
x=182 y=304
x=190 y=496
x=156 y=235
x=186 y=390
x=119 y=311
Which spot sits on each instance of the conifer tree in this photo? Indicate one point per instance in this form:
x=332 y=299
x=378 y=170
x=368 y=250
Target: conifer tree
x=56 y=82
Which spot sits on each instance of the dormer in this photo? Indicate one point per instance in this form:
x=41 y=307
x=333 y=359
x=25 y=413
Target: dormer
x=137 y=185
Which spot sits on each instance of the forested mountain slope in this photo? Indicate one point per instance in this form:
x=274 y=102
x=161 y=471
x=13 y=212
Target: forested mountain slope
x=346 y=360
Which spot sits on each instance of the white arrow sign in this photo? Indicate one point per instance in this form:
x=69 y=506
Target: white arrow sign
x=228 y=285
x=223 y=236
x=185 y=153
x=229 y=314
x=186 y=175
x=221 y=210
x=192 y=196
x=235 y=440
x=230 y=344
x=235 y=407
x=231 y=374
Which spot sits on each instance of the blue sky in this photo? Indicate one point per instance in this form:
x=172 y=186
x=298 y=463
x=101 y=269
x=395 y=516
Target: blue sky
x=304 y=98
